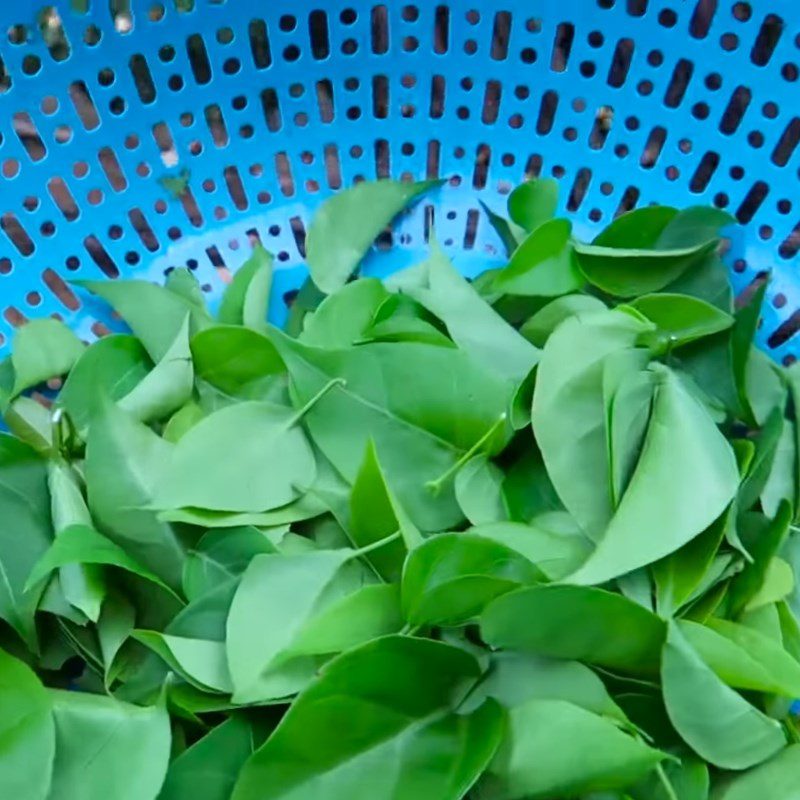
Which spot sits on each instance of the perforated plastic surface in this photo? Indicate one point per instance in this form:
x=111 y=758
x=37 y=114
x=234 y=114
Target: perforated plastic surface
x=141 y=135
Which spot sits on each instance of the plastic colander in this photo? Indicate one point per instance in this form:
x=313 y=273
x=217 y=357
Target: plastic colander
x=140 y=135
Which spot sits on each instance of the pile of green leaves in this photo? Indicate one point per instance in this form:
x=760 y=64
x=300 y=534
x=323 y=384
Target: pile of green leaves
x=529 y=536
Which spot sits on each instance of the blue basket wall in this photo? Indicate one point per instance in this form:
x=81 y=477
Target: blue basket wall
x=137 y=135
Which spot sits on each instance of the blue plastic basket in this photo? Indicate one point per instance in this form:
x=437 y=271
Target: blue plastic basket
x=139 y=135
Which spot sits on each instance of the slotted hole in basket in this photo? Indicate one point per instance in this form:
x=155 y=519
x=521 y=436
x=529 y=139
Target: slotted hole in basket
x=704 y=172
x=112 y=168
x=143 y=229
x=380 y=29
x=767 y=40
x=436 y=110
x=5 y=77
x=60 y=289
x=198 y=58
x=283 y=170
x=100 y=256
x=216 y=124
x=53 y=33
x=601 y=127
x=14 y=317
x=324 y=89
x=480 y=172
x=63 y=198
x=579 y=188
x=271 y=109
x=790 y=246
x=787 y=143
x=678 y=83
x=653 y=147
x=620 y=62
x=166 y=144
x=333 y=169
x=637 y=8
x=562 y=46
x=382 y=159
x=628 y=200
x=433 y=159
x=501 y=35
x=19 y=237
x=547 y=112
x=701 y=19
x=142 y=78
x=299 y=234
x=190 y=207
x=471 y=228
x=235 y=187
x=752 y=202
x=491 y=102
x=429 y=219
x=380 y=96
x=785 y=331
x=28 y=134
x=318 y=34
x=735 y=110
x=441 y=29
x=259 y=44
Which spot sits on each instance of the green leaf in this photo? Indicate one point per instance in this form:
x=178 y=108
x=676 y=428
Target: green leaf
x=775 y=779
x=43 y=349
x=741 y=347
x=640 y=228
x=533 y=202
x=472 y=323
x=758 y=472
x=168 y=386
x=375 y=514
x=25 y=532
x=569 y=413
x=715 y=721
x=109 y=369
x=124 y=460
x=116 y=623
x=183 y=282
x=743 y=657
x=479 y=491
x=246 y=299
x=452 y=577
x=539 y=327
x=685 y=478
x=346 y=224
x=153 y=313
x=389 y=395
x=576 y=622
x=105 y=748
x=509 y=232
x=544 y=265
x=556 y=749
x=344 y=317
x=230 y=358
x=688 y=780
x=780 y=484
x=27 y=732
x=693 y=225
x=31 y=423
x=778 y=584
x=273 y=458
x=680 y=318
x=209 y=768
x=221 y=555
x=182 y=421
x=403 y=739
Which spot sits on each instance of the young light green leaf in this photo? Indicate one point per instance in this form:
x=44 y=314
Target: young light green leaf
x=246 y=299
x=27 y=732
x=273 y=458
x=554 y=748
x=345 y=226
x=777 y=585
x=153 y=313
x=182 y=421
x=539 y=327
x=775 y=779
x=693 y=225
x=43 y=349
x=343 y=318
x=183 y=282
x=405 y=740
x=25 y=532
x=685 y=478
x=780 y=484
x=472 y=323
x=715 y=721
x=576 y=622
x=759 y=469
x=124 y=460
x=452 y=577
x=168 y=386
x=208 y=769
x=680 y=318
x=544 y=265
x=116 y=623
x=479 y=491
x=31 y=423
x=533 y=202
x=105 y=748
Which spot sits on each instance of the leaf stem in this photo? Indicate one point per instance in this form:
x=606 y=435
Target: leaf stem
x=669 y=790
x=317 y=397
x=435 y=486
x=368 y=548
